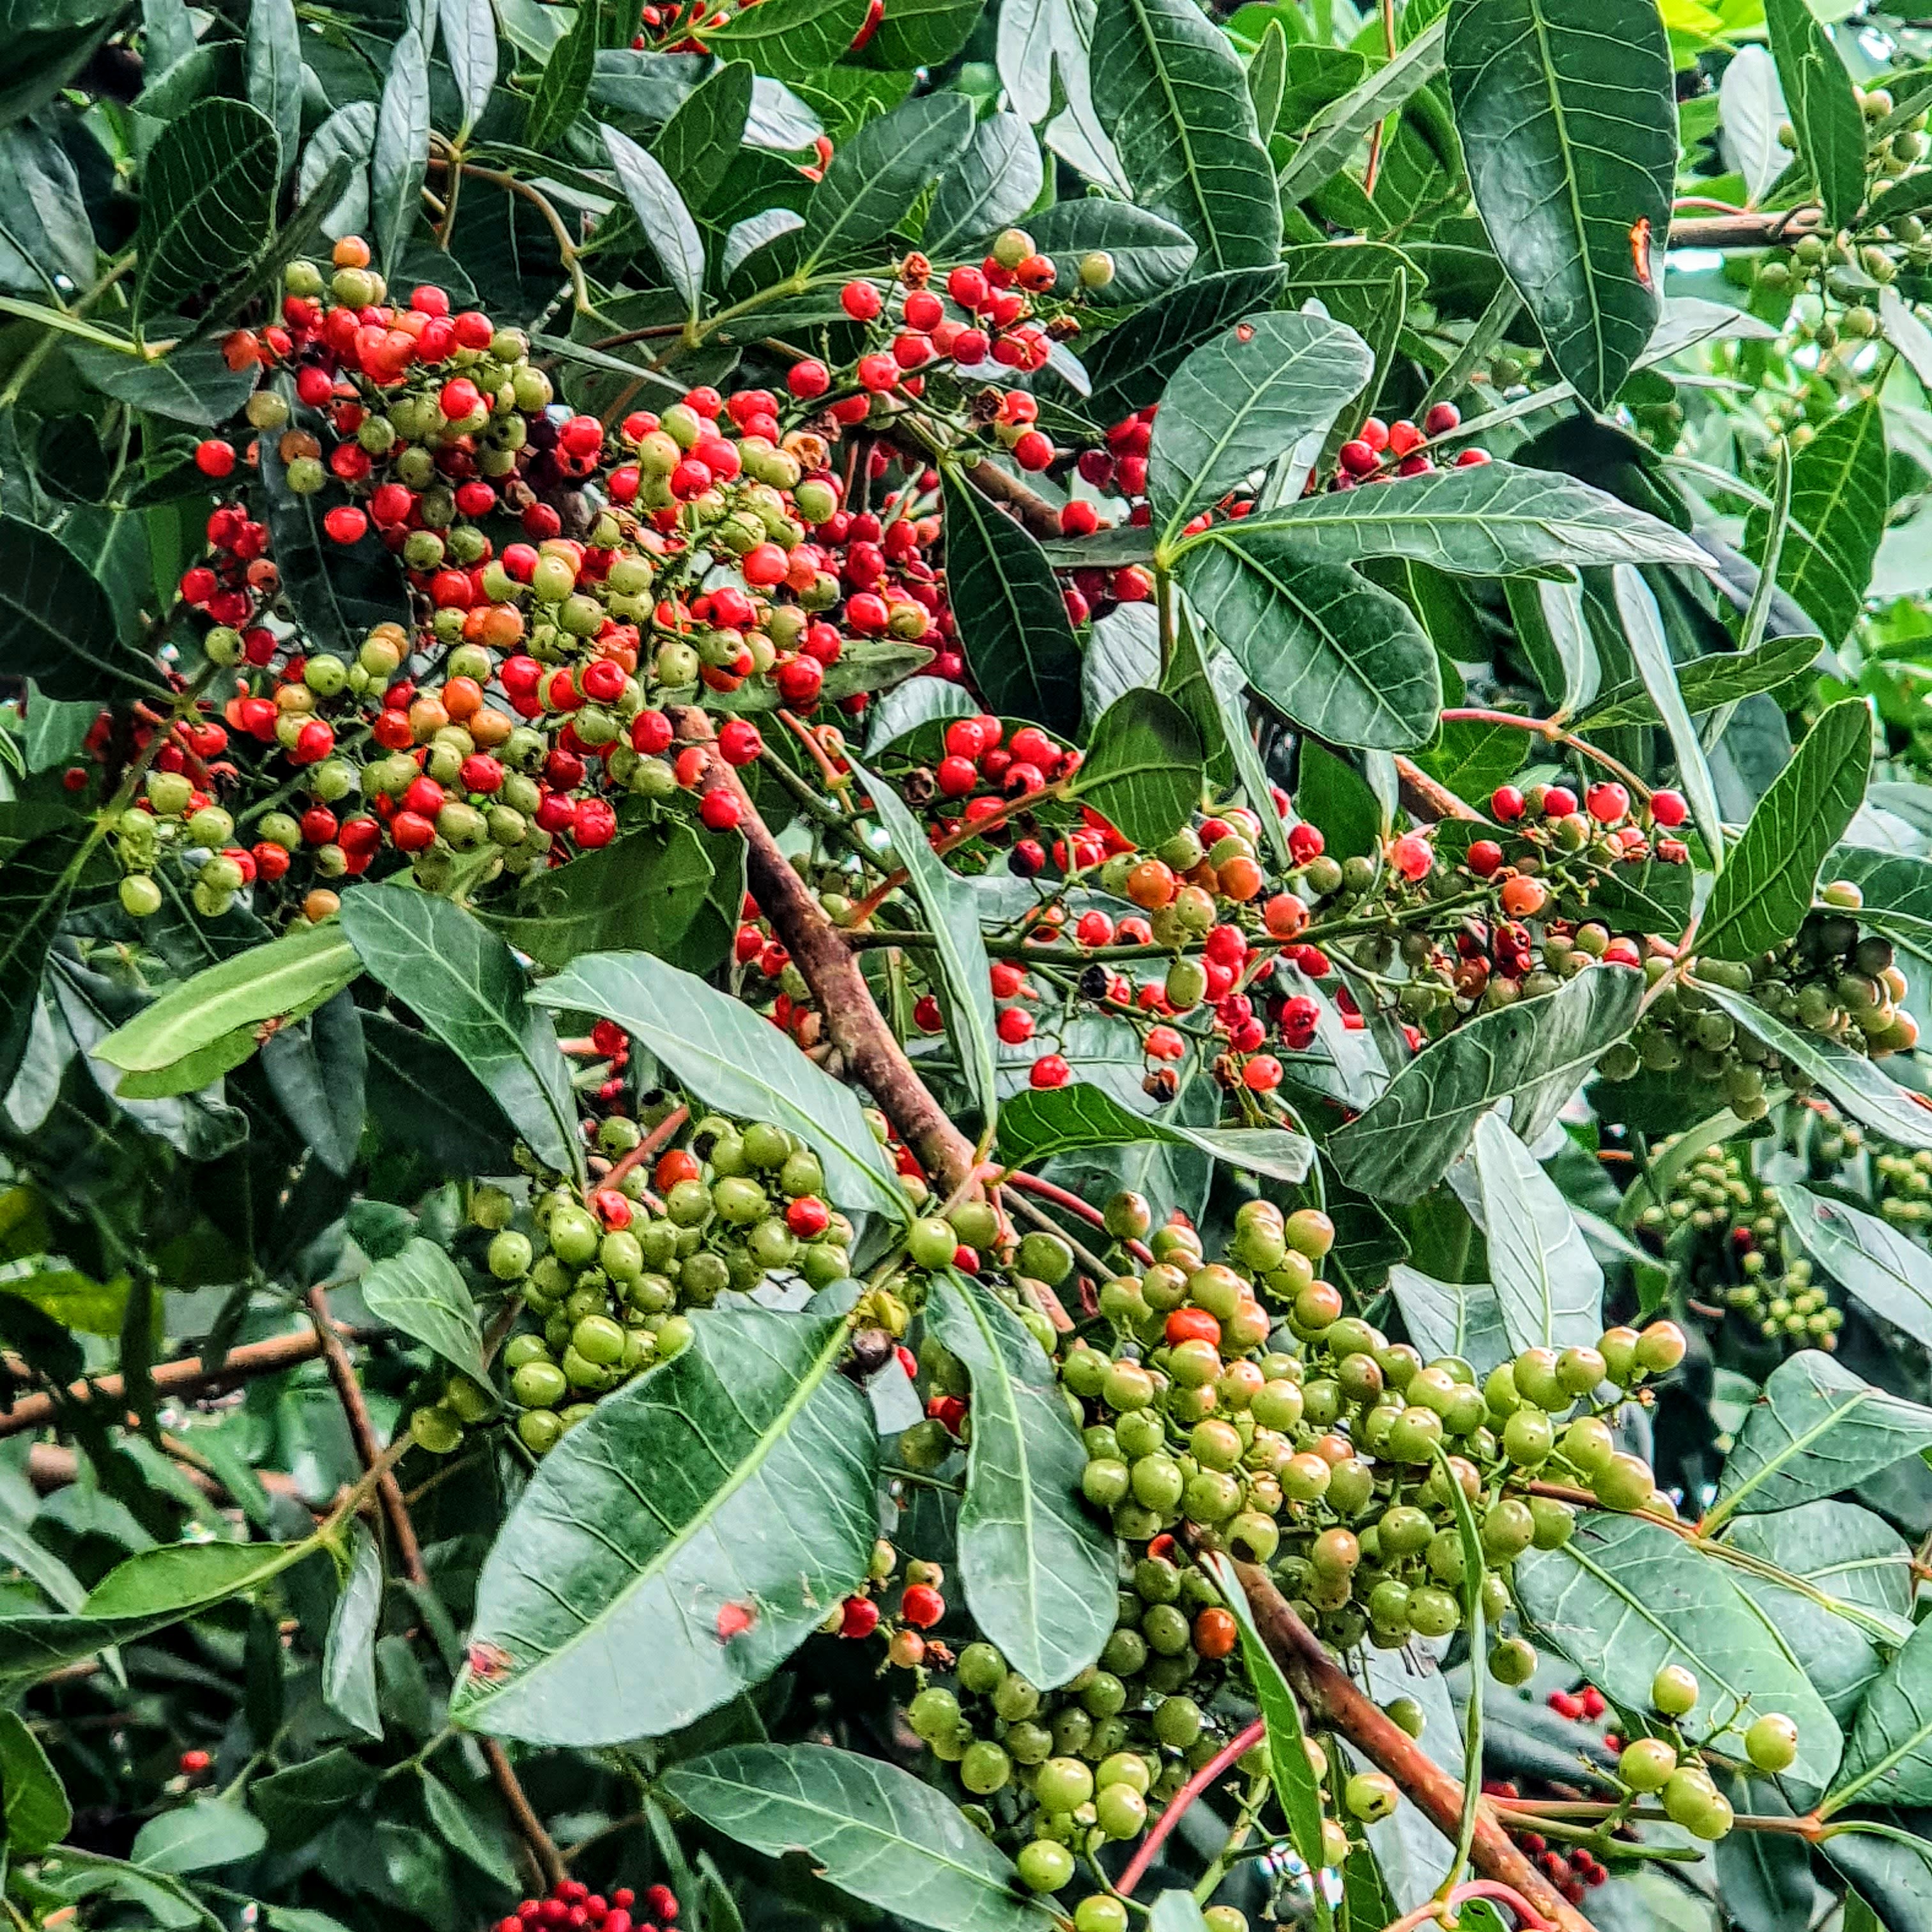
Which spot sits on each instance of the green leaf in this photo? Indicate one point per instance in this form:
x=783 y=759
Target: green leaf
x=876 y=176
x=1133 y=363
x=641 y=891
x=1548 y=1284
x=1038 y=1566
x=1342 y=657
x=200 y=1836
x=469 y=46
x=465 y=986
x=759 y=1515
x=789 y=39
x=1643 y=630
x=207 y=195
x=1554 y=635
x=1897 y=889
x=461 y=1833
x=1766 y=886
x=1539 y=1052
x=38 y=1813
x=421 y=1292
x=191 y=384
x=19 y=1549
x=349 y=1656
x=56 y=624
x=1347 y=122
x=1449 y=1318
x=1623 y=1598
x=662 y=215
x=701 y=140
x=280 y=981
x=1041 y=1122
x=1225 y=686
x=1824 y=110
x=1888 y=1755
x=422 y=1096
x=298 y=1805
x=867 y=1827
x=1840 y=492
x=1854 y=1560
x=1244 y=400
x=563 y=87
x=318 y=1071
x=401 y=159
x=1893 y=1867
x=1493 y=520
x=951 y=909
x=272 y=58
x=1569 y=127
x=1815 y=1430
x=988 y=188
x=1176 y=1911
x=1142 y=770
x=1848 y=1078
x=1267 y=79
x=729 y=1058
x=1289 y=1770
x=1706 y=684
x=1891 y=1275
x=1170 y=92
x=35 y=884
x=1012 y=621
x=1149 y=255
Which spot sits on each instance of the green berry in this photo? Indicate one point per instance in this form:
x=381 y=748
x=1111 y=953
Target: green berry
x=1044 y=1866
x=1372 y=1795
x=1771 y=1742
x=1647 y=1764
x=1674 y=1691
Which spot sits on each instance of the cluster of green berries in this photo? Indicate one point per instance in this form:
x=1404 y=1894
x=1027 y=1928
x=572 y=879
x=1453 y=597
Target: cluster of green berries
x=1661 y=1766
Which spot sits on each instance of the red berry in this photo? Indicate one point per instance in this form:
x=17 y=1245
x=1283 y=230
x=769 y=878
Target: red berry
x=1558 y=802
x=1411 y=856
x=921 y=1606
x=860 y=301
x=861 y=1617
x=1607 y=802
x=346 y=523
x=1403 y=437
x=1506 y=804
x=1667 y=807
x=1357 y=457
x=1078 y=518
x=1033 y=451
x=1305 y=842
x=1484 y=856
x=214 y=457
x=1442 y=419
x=194 y=1763
x=739 y=743
x=1471 y=459
x=719 y=809
x=1015 y=1025
x=1050 y=1070
x=808 y=378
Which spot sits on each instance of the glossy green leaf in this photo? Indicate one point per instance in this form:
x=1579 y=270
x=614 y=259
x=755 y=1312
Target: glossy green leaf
x=1890 y=1866
x=1848 y=1078
x=461 y=1832
x=1642 y=624
x=1897 y=888
x=422 y=1097
x=1624 y=1597
x=1450 y=1318
x=1142 y=771
x=192 y=384
x=704 y=1519
x=1840 y=491
x=1038 y=1566
x=201 y=1835
x=1170 y=93
x=349 y=1656
x=1854 y=1560
x=991 y=186
x=272 y=58
x=421 y=1292
x=1548 y=1287
x=789 y=39
x=1341 y=127
x=1041 y=1122
x=35 y=885
x=37 y=1812
x=696 y=146
x=1706 y=683
x=318 y=1071
x=1569 y=126
x=465 y=986
x=1555 y=633
x=1149 y=255
x=1537 y=1052
x=876 y=176
x=641 y=891
x=400 y=162
x=1492 y=520
x=1290 y=1770
x=1823 y=107
x=1768 y=882
x=20 y=1550
x=733 y=1059
x=1132 y=365
x=1873 y=1261
x=951 y=910
x=1268 y=79
x=1013 y=626
x=1226 y=687
x=207 y=195
x=56 y=624
x=1888 y=1755
x=469 y=46
x=1817 y=1429
x=281 y=980
x=563 y=88
x=869 y=1827
x=1244 y=400
x=1340 y=656
x=661 y=212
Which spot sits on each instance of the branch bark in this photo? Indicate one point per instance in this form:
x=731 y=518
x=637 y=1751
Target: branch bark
x=853 y=1020
x=1335 y=1701
x=1034 y=511
x=408 y=1553
x=1423 y=798
x=1770 y=230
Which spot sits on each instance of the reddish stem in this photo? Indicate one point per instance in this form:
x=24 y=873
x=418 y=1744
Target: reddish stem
x=1238 y=1746
x=1441 y=1911
x=665 y=1130
x=1031 y=1184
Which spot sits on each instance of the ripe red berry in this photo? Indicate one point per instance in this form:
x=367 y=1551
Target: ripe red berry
x=214 y=457
x=1305 y=842
x=1442 y=419
x=860 y=301
x=1485 y=856
x=1403 y=437
x=1078 y=518
x=1506 y=804
x=1667 y=807
x=1033 y=451
x=720 y=809
x=1357 y=457
x=346 y=523
x=1607 y=802
x=861 y=1617
x=1050 y=1070
x=1015 y=1025
x=1558 y=802
x=808 y=378
x=739 y=743
x=921 y=1606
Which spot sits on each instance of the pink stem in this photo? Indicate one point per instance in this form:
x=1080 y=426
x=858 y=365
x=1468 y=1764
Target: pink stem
x=1239 y=1746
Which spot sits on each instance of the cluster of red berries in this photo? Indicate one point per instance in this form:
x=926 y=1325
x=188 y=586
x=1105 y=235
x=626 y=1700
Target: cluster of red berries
x=570 y=1906
x=869 y=1611
x=1380 y=451
x=1548 y=824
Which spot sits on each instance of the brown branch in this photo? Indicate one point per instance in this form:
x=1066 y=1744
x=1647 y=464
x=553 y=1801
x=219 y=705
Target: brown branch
x=50 y=1466
x=408 y=1553
x=190 y=1376
x=857 y=1028
x=1003 y=486
x=1769 y=230
x=1334 y=1700
x=1423 y=798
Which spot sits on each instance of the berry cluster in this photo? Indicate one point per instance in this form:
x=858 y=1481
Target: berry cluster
x=570 y=1906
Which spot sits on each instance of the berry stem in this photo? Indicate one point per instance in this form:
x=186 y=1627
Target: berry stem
x=1237 y=1746
x=1442 y=1911
x=1548 y=728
